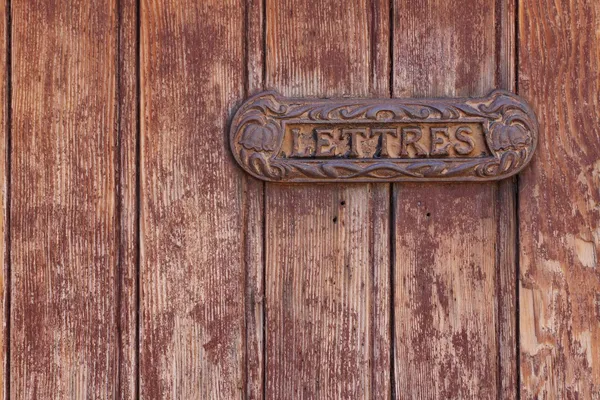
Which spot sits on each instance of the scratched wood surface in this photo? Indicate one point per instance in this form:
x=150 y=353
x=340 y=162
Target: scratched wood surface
x=67 y=321
x=127 y=198
x=4 y=231
x=559 y=219
x=327 y=257
x=254 y=226
x=192 y=201
x=445 y=330
x=253 y=290
x=506 y=212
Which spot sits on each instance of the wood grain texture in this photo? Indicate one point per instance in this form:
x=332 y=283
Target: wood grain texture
x=4 y=193
x=320 y=283
x=65 y=274
x=255 y=41
x=440 y=50
x=444 y=283
x=127 y=193
x=192 y=303
x=559 y=64
x=445 y=343
x=506 y=289
x=380 y=309
x=327 y=254
x=380 y=218
x=254 y=278
x=255 y=218
x=507 y=241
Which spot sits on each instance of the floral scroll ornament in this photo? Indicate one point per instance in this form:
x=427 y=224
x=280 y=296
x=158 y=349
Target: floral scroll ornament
x=512 y=136
x=257 y=133
x=260 y=136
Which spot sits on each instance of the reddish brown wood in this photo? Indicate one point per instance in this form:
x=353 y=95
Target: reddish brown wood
x=67 y=275
x=506 y=289
x=127 y=202
x=327 y=246
x=193 y=201
x=379 y=30
x=444 y=304
x=320 y=290
x=254 y=226
x=4 y=229
x=381 y=340
x=379 y=322
x=254 y=280
x=559 y=287
x=446 y=341
x=255 y=41
x=506 y=249
x=73 y=228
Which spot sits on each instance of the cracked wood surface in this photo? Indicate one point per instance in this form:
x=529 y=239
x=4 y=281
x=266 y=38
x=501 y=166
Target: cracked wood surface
x=445 y=343
x=250 y=289
x=559 y=201
x=193 y=201
x=327 y=260
x=72 y=263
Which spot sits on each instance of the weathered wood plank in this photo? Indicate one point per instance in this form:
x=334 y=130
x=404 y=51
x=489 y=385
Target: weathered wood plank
x=127 y=189
x=65 y=264
x=444 y=283
x=320 y=291
x=327 y=254
x=4 y=185
x=507 y=273
x=192 y=218
x=559 y=302
x=255 y=290
x=255 y=41
x=380 y=218
x=327 y=274
x=446 y=343
x=506 y=289
x=254 y=226
x=379 y=247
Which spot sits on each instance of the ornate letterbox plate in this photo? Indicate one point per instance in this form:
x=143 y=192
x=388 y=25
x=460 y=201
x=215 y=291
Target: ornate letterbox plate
x=281 y=139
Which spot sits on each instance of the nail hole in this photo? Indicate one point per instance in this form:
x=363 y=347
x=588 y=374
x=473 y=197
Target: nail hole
x=343 y=203
x=335 y=220
x=428 y=214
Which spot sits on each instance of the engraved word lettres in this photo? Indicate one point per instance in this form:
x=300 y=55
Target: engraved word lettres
x=314 y=140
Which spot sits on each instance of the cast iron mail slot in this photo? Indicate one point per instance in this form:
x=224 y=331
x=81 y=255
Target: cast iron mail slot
x=275 y=138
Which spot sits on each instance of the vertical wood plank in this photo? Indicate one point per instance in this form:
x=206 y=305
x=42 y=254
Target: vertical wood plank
x=127 y=189
x=559 y=64
x=381 y=252
x=4 y=196
x=327 y=265
x=446 y=344
x=193 y=204
x=254 y=262
x=254 y=226
x=507 y=273
x=255 y=41
x=444 y=284
x=506 y=289
x=64 y=219
x=380 y=329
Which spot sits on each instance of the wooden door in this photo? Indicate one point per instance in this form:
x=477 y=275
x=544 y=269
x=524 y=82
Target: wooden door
x=140 y=261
